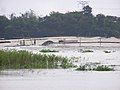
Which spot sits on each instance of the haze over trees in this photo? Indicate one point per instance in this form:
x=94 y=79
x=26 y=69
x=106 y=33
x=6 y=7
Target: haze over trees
x=76 y=23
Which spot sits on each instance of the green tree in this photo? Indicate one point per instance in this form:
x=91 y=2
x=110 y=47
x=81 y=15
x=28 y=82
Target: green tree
x=4 y=21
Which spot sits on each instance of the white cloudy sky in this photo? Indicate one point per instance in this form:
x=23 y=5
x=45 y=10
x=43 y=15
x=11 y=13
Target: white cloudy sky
x=43 y=7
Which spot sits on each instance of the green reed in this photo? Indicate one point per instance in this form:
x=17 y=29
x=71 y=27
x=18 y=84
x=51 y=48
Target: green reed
x=27 y=60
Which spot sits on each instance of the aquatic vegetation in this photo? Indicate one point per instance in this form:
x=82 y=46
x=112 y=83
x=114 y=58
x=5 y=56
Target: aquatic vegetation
x=85 y=51
x=26 y=60
x=81 y=68
x=103 y=68
x=48 y=50
x=87 y=67
x=107 y=51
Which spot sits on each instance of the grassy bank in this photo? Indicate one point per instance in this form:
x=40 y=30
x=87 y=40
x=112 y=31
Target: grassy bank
x=27 y=60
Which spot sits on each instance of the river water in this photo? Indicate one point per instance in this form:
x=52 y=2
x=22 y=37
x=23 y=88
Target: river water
x=59 y=79
x=66 y=79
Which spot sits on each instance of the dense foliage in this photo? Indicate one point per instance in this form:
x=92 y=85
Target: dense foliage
x=57 y=24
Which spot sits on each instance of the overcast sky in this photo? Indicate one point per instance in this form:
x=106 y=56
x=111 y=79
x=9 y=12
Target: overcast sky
x=43 y=7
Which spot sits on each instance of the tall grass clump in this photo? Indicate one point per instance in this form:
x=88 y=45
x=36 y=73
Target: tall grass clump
x=26 y=60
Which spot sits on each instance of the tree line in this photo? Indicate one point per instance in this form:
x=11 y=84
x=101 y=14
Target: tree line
x=77 y=23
